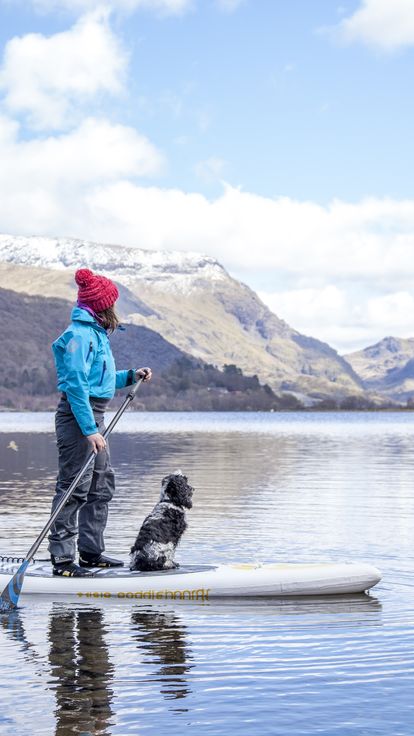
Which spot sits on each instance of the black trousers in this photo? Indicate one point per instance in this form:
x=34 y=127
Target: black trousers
x=86 y=512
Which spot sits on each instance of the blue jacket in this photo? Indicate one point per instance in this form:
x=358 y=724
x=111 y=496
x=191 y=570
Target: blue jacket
x=85 y=367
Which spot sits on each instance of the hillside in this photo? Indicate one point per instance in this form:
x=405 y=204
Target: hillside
x=27 y=376
x=193 y=303
x=387 y=367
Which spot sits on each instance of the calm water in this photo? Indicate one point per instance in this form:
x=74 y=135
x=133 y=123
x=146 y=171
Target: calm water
x=290 y=487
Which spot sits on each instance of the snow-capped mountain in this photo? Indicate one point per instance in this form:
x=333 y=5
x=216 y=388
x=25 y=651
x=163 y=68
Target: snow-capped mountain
x=166 y=269
x=192 y=302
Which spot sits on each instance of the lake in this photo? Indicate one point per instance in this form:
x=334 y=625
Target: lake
x=294 y=487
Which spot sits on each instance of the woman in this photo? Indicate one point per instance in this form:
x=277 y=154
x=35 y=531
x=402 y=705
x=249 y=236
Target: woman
x=87 y=379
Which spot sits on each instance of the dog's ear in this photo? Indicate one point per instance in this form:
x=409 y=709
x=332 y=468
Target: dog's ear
x=179 y=491
x=179 y=475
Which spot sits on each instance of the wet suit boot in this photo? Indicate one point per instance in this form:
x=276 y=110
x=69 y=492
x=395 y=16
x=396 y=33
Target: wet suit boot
x=88 y=560
x=71 y=570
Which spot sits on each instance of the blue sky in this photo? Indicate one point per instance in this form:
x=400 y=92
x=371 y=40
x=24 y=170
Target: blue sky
x=275 y=136
x=265 y=90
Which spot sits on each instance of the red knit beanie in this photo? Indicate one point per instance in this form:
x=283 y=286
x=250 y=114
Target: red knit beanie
x=97 y=292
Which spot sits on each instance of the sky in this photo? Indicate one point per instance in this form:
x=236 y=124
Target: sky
x=275 y=136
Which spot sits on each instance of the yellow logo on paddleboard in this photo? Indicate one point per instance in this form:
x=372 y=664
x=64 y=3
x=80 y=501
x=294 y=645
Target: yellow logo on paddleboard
x=201 y=594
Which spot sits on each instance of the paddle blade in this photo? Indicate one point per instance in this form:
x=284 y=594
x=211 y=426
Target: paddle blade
x=10 y=595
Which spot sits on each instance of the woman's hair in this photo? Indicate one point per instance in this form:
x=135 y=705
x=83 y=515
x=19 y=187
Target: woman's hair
x=108 y=319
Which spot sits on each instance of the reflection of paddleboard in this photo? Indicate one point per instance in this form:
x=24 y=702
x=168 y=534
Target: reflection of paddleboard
x=202 y=582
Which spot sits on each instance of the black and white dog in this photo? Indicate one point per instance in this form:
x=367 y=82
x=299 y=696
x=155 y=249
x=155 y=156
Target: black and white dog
x=163 y=528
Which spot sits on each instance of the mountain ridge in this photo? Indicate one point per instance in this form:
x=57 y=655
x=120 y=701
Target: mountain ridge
x=166 y=268
x=387 y=367
x=191 y=301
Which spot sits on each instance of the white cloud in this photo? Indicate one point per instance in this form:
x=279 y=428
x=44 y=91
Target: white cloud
x=44 y=182
x=341 y=262
x=342 y=273
x=50 y=78
x=161 y=7
x=312 y=245
x=346 y=320
x=387 y=24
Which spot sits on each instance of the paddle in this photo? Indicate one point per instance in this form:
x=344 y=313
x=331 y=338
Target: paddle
x=10 y=595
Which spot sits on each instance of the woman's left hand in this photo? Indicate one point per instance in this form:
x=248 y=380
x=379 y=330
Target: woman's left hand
x=144 y=373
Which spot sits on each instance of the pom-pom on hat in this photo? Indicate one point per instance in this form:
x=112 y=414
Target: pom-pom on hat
x=97 y=292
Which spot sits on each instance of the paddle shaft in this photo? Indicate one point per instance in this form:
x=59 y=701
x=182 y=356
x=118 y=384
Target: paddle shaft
x=35 y=546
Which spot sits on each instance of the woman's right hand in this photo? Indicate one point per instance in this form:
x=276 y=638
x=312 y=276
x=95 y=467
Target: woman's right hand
x=144 y=373
x=97 y=442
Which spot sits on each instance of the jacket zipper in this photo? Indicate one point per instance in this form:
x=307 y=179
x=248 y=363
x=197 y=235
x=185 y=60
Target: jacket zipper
x=89 y=351
x=103 y=372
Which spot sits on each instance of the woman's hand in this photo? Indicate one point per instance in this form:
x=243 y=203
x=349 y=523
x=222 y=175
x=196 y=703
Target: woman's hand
x=144 y=373
x=97 y=442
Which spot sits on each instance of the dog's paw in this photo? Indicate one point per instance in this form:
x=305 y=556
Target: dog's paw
x=170 y=565
x=137 y=561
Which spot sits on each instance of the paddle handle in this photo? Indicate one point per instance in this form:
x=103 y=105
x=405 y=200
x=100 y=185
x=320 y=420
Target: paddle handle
x=35 y=546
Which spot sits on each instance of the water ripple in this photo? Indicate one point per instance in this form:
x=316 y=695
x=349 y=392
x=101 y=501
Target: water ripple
x=268 y=488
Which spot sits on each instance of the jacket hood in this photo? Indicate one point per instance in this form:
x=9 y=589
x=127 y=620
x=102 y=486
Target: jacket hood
x=81 y=315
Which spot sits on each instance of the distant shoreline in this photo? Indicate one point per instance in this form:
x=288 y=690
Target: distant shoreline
x=304 y=410
x=254 y=424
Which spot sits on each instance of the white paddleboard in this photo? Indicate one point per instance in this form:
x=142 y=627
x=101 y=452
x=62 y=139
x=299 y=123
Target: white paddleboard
x=201 y=582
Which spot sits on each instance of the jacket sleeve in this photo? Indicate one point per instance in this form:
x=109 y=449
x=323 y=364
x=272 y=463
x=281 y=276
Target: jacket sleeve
x=125 y=378
x=77 y=364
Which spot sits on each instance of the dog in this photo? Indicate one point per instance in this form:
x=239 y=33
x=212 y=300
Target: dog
x=163 y=528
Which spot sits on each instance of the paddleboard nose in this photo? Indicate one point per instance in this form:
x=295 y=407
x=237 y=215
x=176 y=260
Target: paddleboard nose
x=375 y=574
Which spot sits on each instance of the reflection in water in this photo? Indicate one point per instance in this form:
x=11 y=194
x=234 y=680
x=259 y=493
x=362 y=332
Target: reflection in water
x=353 y=605
x=81 y=670
x=276 y=643
x=303 y=491
x=162 y=637
x=12 y=623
